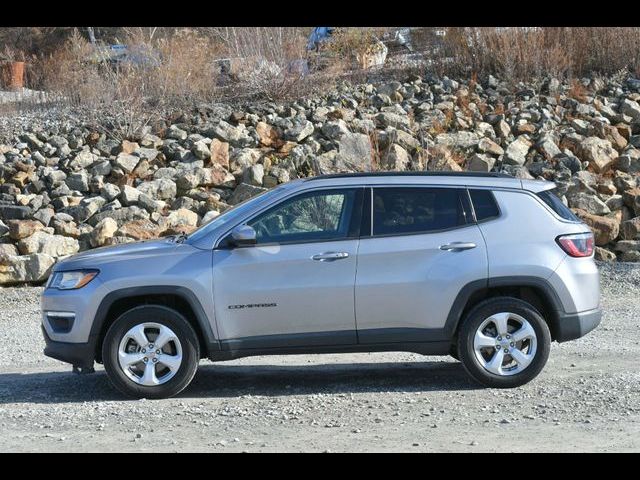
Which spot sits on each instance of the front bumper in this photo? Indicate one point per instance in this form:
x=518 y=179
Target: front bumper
x=77 y=354
x=575 y=325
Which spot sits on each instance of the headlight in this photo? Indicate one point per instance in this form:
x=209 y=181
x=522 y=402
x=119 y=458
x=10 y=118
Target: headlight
x=71 y=280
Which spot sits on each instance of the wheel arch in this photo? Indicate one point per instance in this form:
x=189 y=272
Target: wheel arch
x=181 y=299
x=534 y=290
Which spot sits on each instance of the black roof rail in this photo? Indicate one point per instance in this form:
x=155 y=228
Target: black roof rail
x=412 y=174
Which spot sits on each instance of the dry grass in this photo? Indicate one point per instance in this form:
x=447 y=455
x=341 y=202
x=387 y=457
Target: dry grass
x=523 y=53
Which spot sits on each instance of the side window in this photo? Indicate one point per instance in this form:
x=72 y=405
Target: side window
x=551 y=198
x=413 y=210
x=313 y=216
x=484 y=204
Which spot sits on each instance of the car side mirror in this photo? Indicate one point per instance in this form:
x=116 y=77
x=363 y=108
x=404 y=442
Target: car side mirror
x=243 y=236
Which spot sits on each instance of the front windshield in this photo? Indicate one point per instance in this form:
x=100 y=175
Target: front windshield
x=233 y=213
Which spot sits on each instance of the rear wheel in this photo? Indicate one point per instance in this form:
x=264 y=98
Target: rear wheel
x=504 y=342
x=151 y=352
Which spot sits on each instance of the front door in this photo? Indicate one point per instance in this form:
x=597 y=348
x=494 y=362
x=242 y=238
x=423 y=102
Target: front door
x=295 y=287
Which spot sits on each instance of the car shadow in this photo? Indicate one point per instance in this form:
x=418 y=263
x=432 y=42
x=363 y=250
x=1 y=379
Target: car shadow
x=222 y=380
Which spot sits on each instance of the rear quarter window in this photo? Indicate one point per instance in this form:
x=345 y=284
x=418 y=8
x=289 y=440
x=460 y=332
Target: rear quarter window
x=550 y=197
x=484 y=204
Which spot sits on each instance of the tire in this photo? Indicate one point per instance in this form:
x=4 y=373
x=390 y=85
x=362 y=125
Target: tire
x=486 y=368
x=182 y=352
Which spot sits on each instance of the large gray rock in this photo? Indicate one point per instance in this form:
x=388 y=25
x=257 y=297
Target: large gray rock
x=53 y=245
x=234 y=136
x=517 y=151
x=78 y=181
x=254 y=175
x=355 y=151
x=598 y=152
x=14 y=212
x=589 y=203
x=83 y=160
x=458 y=140
x=334 y=130
x=480 y=162
x=121 y=216
x=129 y=195
x=126 y=162
x=631 y=109
x=395 y=158
x=630 y=229
x=162 y=188
x=103 y=232
x=243 y=192
x=25 y=268
x=299 y=131
x=390 y=119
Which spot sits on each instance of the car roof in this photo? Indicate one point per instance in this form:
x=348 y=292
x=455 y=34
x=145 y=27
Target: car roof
x=474 y=179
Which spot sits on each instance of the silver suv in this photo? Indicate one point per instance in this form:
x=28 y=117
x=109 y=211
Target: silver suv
x=484 y=267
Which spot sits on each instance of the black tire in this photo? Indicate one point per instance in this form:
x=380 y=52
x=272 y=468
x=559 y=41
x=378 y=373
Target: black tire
x=164 y=316
x=475 y=318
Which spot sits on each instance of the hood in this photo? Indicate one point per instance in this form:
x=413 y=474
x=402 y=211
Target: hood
x=93 y=258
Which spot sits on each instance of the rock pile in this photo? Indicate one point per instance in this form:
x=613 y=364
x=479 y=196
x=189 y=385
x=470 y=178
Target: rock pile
x=66 y=187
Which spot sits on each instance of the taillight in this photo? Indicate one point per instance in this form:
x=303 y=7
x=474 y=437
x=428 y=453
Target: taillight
x=577 y=244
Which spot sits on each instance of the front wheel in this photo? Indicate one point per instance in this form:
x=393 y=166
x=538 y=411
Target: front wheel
x=151 y=352
x=504 y=342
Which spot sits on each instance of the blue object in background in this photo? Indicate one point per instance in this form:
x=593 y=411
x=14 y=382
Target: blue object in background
x=318 y=35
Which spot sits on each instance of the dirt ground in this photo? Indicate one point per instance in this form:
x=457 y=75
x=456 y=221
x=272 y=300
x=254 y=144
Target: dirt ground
x=586 y=399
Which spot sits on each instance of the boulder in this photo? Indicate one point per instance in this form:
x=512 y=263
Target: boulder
x=440 y=159
x=630 y=229
x=517 y=150
x=139 y=230
x=355 y=150
x=126 y=162
x=395 y=158
x=598 y=152
x=14 y=212
x=25 y=268
x=177 y=219
x=631 y=199
x=235 y=136
x=458 y=140
x=162 y=188
x=631 y=109
x=605 y=229
x=102 y=232
x=590 y=203
x=486 y=145
x=243 y=192
x=49 y=244
x=480 y=162
x=254 y=175
x=19 y=229
x=299 y=131
x=604 y=255
x=219 y=153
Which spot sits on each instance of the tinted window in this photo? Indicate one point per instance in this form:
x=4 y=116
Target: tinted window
x=484 y=204
x=314 y=216
x=550 y=198
x=413 y=210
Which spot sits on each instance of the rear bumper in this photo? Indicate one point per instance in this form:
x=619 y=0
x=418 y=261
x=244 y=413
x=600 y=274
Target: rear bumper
x=575 y=325
x=77 y=354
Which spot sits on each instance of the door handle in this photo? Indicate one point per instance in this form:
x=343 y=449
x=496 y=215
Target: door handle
x=458 y=246
x=329 y=256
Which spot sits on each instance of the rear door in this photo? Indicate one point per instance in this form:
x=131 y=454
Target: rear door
x=424 y=247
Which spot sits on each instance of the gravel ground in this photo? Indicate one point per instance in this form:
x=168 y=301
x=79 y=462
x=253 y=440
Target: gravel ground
x=586 y=399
